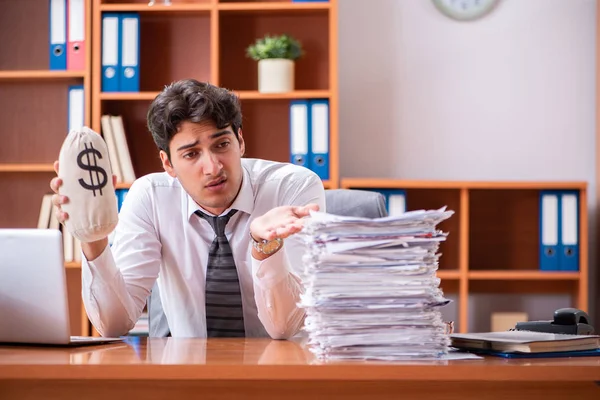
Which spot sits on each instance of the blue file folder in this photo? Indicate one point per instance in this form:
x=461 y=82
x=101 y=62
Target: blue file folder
x=76 y=107
x=58 y=34
x=121 y=194
x=299 y=134
x=111 y=65
x=549 y=230
x=319 y=137
x=130 y=52
x=569 y=231
x=395 y=200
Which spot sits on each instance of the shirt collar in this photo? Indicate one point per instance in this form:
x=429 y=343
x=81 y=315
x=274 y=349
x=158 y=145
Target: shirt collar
x=244 y=201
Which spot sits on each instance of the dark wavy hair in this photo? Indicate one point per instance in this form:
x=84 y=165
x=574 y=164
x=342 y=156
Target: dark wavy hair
x=193 y=101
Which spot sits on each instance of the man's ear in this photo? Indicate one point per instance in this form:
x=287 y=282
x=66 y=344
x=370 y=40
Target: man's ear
x=168 y=167
x=242 y=143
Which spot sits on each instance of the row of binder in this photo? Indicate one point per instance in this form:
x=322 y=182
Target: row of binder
x=559 y=230
x=67 y=35
x=309 y=135
x=120 y=52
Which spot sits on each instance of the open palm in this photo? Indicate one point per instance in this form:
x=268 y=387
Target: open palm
x=281 y=222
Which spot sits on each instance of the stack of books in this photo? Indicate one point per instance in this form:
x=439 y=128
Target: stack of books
x=520 y=344
x=371 y=290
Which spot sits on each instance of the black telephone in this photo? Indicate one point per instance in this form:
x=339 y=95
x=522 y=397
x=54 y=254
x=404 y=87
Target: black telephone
x=570 y=321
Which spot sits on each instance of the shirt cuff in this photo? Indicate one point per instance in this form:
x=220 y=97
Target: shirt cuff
x=271 y=270
x=103 y=268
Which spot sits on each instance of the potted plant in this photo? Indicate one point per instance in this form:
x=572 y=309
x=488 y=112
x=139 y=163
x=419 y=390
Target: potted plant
x=275 y=56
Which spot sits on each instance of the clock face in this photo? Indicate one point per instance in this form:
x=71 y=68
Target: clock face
x=465 y=10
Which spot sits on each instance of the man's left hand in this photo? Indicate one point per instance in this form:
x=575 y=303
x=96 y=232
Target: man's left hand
x=280 y=222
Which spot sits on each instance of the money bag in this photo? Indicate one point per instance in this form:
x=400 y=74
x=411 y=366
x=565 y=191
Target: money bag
x=84 y=168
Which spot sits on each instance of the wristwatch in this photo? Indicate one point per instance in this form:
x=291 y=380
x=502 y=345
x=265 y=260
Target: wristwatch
x=267 y=247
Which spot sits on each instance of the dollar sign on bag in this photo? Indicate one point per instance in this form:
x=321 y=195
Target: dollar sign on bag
x=92 y=167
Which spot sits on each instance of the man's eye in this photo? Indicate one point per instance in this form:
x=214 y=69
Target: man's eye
x=190 y=154
x=223 y=145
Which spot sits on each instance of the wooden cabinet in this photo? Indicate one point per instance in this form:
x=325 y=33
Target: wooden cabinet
x=493 y=241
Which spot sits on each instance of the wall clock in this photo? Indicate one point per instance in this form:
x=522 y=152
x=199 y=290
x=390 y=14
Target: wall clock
x=465 y=10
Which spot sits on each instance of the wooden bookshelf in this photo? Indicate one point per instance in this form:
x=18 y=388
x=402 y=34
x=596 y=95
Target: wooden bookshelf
x=217 y=55
x=492 y=246
x=34 y=115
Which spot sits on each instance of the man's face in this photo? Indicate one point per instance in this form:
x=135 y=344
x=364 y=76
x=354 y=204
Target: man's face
x=207 y=162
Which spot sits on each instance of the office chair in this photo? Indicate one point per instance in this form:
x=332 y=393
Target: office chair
x=346 y=202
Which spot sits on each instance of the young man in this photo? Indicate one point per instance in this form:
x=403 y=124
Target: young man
x=230 y=276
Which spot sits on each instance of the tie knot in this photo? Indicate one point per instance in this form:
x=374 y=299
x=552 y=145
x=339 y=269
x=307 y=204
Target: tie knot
x=218 y=223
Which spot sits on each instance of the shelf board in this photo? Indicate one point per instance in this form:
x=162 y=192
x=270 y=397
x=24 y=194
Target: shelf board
x=26 y=168
x=157 y=7
x=128 y=95
x=123 y=185
x=298 y=94
x=241 y=6
x=425 y=184
x=40 y=74
x=523 y=275
x=448 y=274
x=243 y=94
x=274 y=6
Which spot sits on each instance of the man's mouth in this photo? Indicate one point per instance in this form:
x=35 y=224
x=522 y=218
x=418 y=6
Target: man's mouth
x=216 y=183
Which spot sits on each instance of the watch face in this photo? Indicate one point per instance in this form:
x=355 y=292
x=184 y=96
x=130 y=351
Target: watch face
x=465 y=10
x=271 y=247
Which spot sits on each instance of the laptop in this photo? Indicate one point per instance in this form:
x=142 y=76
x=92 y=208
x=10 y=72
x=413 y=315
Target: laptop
x=33 y=290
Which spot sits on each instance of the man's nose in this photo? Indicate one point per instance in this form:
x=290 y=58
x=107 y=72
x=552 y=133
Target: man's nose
x=211 y=164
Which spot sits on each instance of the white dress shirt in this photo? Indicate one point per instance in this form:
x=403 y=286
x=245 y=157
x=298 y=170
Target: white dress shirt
x=159 y=237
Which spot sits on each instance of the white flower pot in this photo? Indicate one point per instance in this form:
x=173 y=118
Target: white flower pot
x=275 y=75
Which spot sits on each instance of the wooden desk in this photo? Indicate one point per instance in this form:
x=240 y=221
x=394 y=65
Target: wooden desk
x=264 y=369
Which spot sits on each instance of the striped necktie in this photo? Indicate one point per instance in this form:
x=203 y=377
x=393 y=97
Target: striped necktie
x=224 y=313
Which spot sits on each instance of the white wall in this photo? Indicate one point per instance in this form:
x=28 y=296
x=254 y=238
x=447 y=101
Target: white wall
x=507 y=97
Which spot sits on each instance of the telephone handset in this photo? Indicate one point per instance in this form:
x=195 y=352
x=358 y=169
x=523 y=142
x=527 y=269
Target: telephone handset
x=570 y=321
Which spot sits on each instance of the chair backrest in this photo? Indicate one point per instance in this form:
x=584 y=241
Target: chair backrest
x=346 y=202
x=355 y=203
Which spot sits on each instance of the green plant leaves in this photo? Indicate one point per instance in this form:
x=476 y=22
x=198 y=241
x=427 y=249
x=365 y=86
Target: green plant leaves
x=281 y=46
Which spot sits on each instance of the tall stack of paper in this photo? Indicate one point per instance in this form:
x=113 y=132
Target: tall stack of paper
x=371 y=290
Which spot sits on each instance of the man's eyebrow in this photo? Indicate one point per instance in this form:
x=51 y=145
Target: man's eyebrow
x=219 y=134
x=187 y=146
x=197 y=142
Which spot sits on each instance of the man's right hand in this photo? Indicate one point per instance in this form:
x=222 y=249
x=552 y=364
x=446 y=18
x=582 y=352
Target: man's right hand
x=91 y=250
